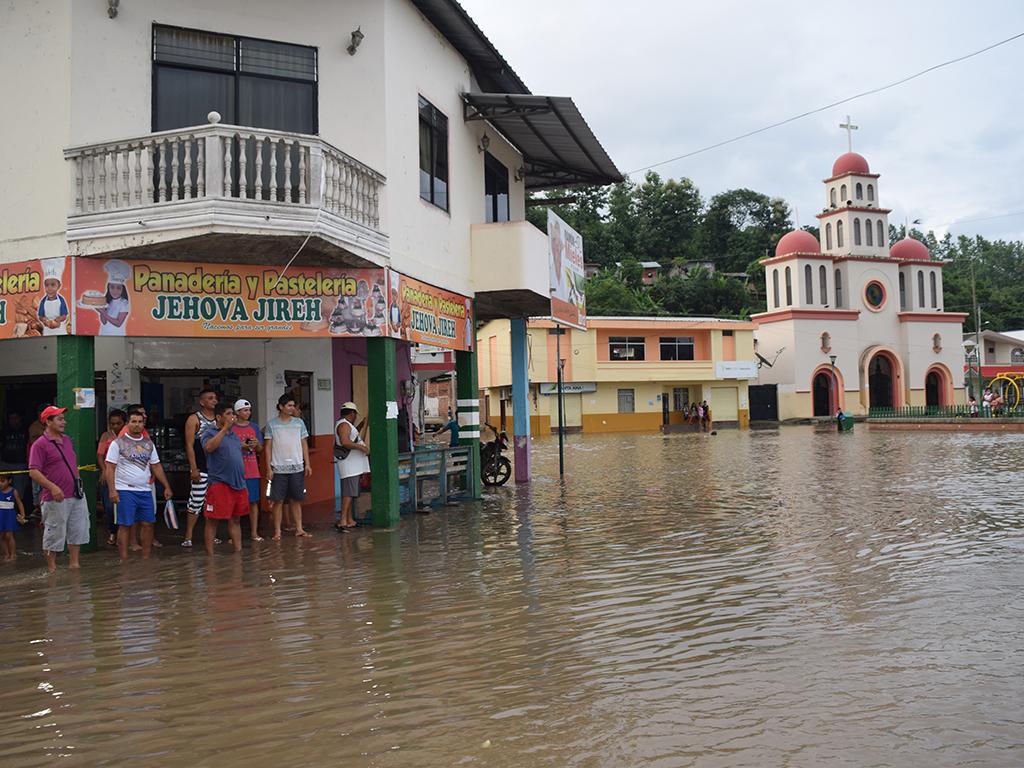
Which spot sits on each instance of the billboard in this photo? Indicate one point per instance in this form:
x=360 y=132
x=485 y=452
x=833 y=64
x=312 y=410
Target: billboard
x=424 y=314
x=565 y=268
x=186 y=299
x=35 y=299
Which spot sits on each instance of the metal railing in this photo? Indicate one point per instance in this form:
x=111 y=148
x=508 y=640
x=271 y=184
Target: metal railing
x=944 y=412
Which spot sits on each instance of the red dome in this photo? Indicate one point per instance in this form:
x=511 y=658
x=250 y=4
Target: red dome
x=851 y=162
x=797 y=241
x=910 y=249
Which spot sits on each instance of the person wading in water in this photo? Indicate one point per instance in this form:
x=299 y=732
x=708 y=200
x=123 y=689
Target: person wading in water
x=195 y=425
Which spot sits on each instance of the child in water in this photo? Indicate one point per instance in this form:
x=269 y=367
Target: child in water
x=12 y=515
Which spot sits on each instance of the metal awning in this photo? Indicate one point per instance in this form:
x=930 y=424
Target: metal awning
x=558 y=147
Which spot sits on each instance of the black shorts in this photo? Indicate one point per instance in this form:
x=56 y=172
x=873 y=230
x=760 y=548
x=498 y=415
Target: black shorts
x=350 y=486
x=288 y=485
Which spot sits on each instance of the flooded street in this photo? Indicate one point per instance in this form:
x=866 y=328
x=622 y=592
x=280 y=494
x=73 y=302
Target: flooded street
x=770 y=598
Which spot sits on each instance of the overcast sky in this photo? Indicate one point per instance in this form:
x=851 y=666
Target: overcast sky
x=658 y=78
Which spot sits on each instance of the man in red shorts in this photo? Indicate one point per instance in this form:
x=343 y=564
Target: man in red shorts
x=226 y=495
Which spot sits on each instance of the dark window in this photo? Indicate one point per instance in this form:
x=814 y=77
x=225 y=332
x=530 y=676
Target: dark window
x=626 y=348
x=680 y=398
x=727 y=333
x=934 y=290
x=874 y=294
x=433 y=155
x=903 y=291
x=495 y=189
x=254 y=83
x=676 y=347
x=839 y=289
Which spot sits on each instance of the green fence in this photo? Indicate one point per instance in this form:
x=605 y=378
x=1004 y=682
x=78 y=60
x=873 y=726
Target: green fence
x=943 y=412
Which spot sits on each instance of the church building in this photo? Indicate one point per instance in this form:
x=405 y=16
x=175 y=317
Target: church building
x=853 y=321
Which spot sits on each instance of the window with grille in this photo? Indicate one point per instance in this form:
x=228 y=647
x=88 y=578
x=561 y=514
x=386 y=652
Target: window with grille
x=626 y=348
x=680 y=398
x=626 y=401
x=676 y=347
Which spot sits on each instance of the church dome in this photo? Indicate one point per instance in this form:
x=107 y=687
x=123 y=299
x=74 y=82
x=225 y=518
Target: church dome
x=851 y=162
x=909 y=249
x=797 y=241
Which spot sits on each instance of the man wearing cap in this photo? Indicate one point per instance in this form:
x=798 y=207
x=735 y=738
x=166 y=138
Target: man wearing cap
x=53 y=464
x=252 y=447
x=349 y=444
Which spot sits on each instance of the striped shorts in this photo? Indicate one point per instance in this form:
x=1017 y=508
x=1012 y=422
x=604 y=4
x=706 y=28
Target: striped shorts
x=197 y=496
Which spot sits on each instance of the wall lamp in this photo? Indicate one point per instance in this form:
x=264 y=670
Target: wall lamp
x=357 y=39
x=485 y=142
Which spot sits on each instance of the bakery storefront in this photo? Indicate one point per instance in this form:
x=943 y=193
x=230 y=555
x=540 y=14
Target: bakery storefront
x=159 y=332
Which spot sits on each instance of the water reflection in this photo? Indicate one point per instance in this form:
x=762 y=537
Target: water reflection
x=784 y=597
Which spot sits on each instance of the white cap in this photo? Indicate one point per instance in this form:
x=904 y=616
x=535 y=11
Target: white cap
x=117 y=271
x=240 y=404
x=53 y=269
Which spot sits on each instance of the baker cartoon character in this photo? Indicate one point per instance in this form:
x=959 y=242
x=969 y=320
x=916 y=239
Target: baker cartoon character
x=53 y=309
x=114 y=312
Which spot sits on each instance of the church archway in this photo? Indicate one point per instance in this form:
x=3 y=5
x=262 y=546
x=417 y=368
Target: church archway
x=827 y=395
x=938 y=387
x=882 y=382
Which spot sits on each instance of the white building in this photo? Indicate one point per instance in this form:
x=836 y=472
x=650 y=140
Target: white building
x=372 y=134
x=854 y=321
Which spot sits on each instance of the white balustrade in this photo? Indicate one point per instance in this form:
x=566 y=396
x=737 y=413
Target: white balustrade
x=223 y=162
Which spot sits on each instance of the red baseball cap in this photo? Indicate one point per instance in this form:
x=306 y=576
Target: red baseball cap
x=49 y=412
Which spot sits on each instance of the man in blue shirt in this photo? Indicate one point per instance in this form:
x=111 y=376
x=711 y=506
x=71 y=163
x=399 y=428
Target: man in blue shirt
x=227 y=497
x=452 y=428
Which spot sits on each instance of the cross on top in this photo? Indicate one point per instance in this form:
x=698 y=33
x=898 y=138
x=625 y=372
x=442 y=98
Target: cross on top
x=850 y=128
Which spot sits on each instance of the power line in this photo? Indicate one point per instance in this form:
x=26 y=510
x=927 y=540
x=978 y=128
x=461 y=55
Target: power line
x=829 y=106
x=971 y=221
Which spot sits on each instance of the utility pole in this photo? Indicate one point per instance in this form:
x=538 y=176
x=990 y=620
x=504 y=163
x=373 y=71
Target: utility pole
x=977 y=331
x=561 y=423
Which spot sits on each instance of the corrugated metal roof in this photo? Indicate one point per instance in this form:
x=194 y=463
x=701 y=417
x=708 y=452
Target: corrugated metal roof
x=558 y=147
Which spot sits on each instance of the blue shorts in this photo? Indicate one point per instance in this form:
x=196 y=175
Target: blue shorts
x=252 y=484
x=134 y=507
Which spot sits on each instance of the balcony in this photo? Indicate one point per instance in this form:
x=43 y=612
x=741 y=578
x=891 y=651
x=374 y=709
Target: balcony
x=223 y=192
x=510 y=270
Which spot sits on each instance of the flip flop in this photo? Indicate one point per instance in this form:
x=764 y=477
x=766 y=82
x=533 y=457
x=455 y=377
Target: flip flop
x=187 y=543
x=257 y=538
x=304 y=535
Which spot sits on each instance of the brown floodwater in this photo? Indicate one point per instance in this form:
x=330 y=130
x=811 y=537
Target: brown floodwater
x=769 y=598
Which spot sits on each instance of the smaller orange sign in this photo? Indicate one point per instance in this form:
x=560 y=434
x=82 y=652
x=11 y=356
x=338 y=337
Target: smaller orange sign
x=425 y=314
x=35 y=298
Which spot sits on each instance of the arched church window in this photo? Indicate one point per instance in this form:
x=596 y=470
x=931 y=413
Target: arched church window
x=808 y=284
x=1017 y=355
x=789 y=288
x=839 y=289
x=871 y=192
x=856 y=231
x=826 y=342
x=934 y=290
x=937 y=343
x=881 y=234
x=920 y=289
x=842 y=192
x=903 y=292
x=775 y=287
x=859 y=191
x=839 y=234
x=823 y=283
x=832 y=196
x=869 y=236
x=828 y=236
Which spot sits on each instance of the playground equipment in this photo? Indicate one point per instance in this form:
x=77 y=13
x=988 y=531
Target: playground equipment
x=1009 y=386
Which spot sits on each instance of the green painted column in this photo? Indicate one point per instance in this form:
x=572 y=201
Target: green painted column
x=75 y=368
x=468 y=409
x=382 y=380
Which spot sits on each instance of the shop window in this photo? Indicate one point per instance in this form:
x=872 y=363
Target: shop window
x=680 y=398
x=869 y=232
x=299 y=385
x=676 y=347
x=823 y=283
x=789 y=288
x=626 y=401
x=495 y=189
x=839 y=289
x=808 y=284
x=933 y=289
x=433 y=155
x=626 y=348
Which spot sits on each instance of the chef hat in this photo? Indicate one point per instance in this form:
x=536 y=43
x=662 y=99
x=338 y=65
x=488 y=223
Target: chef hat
x=53 y=269
x=117 y=271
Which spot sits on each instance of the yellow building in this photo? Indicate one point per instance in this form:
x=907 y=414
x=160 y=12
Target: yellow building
x=622 y=374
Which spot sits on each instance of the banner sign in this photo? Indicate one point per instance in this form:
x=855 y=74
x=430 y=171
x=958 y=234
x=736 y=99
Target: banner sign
x=35 y=299
x=736 y=369
x=185 y=299
x=568 y=387
x=424 y=314
x=567 y=276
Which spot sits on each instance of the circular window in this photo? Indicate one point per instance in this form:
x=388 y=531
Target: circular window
x=874 y=294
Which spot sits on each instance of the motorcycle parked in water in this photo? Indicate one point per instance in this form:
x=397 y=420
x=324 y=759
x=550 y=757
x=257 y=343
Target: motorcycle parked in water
x=495 y=469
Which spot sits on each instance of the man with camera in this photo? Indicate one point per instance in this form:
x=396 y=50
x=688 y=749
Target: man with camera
x=53 y=465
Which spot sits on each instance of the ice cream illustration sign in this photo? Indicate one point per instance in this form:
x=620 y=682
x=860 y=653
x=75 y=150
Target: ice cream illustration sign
x=112 y=297
x=565 y=268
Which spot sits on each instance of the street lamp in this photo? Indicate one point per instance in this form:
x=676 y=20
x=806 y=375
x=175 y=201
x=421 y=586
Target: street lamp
x=835 y=384
x=971 y=351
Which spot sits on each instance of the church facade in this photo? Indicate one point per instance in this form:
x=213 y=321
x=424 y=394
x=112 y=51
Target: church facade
x=854 y=321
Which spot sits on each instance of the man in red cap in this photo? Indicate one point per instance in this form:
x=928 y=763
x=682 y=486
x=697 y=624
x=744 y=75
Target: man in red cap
x=53 y=465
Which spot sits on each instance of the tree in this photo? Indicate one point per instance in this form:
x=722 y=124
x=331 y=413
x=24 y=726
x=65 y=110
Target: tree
x=607 y=294
x=742 y=226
